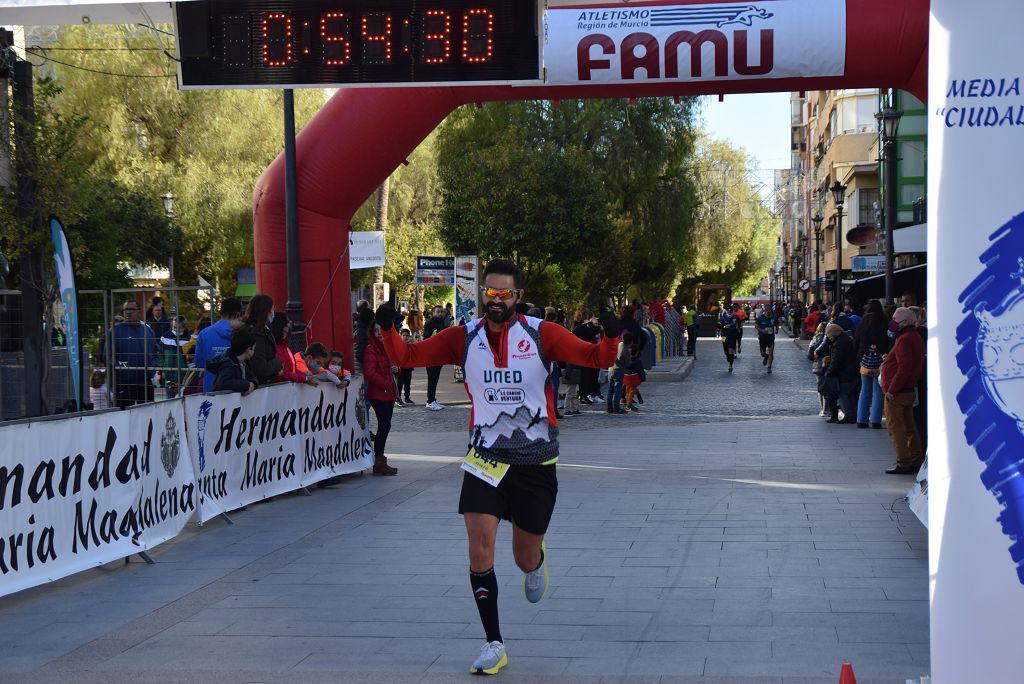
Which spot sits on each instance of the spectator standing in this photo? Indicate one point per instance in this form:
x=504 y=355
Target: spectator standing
x=571 y=405
x=872 y=341
x=816 y=351
x=586 y=329
x=281 y=328
x=921 y=404
x=362 y=319
x=617 y=372
x=380 y=390
x=172 y=355
x=263 y=361
x=844 y=368
x=433 y=326
x=555 y=371
x=156 y=317
x=231 y=369
x=132 y=347
x=901 y=372
x=405 y=377
x=216 y=339
x=99 y=393
x=691 y=322
x=812 y=319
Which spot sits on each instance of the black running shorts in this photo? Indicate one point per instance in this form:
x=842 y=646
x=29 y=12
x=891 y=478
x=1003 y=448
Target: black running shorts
x=525 y=496
x=766 y=341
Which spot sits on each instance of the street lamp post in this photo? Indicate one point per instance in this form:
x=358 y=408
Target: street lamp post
x=168 y=199
x=818 y=218
x=839 y=194
x=889 y=124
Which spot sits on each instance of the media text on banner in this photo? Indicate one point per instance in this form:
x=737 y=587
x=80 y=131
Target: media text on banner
x=435 y=270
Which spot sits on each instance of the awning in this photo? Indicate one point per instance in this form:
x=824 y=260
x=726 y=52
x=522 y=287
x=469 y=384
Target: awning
x=72 y=12
x=910 y=239
x=873 y=287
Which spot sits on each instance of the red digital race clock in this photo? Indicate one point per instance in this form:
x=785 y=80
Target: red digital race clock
x=315 y=43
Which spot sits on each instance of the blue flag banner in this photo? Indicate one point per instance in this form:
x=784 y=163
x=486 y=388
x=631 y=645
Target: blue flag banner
x=69 y=301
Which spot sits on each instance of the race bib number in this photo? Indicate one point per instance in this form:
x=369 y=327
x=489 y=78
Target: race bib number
x=487 y=469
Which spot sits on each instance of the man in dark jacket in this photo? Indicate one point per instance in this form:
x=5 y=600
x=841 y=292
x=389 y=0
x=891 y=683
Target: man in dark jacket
x=843 y=366
x=216 y=339
x=901 y=372
x=230 y=370
x=436 y=324
x=132 y=347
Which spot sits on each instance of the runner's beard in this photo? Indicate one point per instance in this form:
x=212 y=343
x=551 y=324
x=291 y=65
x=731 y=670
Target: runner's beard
x=499 y=313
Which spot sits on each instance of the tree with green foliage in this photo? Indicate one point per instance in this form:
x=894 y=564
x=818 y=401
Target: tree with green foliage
x=135 y=131
x=594 y=196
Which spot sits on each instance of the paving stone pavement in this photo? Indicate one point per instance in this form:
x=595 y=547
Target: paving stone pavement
x=724 y=535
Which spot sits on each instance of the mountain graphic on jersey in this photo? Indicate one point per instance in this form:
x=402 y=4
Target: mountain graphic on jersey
x=519 y=438
x=991 y=358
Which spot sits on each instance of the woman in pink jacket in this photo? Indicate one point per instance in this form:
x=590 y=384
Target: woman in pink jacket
x=380 y=390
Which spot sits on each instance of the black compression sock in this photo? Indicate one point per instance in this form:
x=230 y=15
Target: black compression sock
x=485 y=591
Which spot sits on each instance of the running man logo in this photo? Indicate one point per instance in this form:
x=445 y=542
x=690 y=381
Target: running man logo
x=702 y=16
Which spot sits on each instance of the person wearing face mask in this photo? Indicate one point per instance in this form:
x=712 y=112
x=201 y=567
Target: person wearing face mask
x=336 y=365
x=513 y=435
x=314 y=363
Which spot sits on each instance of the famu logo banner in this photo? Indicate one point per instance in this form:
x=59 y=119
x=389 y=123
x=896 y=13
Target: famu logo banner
x=81 y=492
x=660 y=42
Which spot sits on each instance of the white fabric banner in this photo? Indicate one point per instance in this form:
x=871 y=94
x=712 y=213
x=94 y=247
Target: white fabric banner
x=665 y=42
x=275 y=440
x=976 y=340
x=80 y=492
x=365 y=249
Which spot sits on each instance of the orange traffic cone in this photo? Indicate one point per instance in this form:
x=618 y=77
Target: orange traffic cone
x=846 y=675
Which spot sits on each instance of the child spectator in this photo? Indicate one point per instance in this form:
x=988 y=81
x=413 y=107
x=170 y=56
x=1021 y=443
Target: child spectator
x=337 y=366
x=314 y=363
x=230 y=368
x=405 y=376
x=99 y=393
x=632 y=378
x=573 y=375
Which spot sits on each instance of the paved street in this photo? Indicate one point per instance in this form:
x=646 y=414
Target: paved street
x=725 y=534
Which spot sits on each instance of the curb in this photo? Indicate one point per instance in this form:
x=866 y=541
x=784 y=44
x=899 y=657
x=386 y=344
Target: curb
x=680 y=373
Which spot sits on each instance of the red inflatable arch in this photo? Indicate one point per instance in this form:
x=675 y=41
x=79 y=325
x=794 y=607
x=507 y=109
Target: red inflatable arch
x=362 y=135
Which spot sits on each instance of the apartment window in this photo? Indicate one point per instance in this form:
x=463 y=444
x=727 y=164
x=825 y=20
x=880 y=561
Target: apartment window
x=867 y=200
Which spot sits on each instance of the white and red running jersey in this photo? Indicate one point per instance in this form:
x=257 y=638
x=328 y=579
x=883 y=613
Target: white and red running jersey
x=512 y=420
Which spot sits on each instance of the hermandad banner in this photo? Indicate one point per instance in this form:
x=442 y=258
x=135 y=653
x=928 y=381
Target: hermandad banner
x=85 y=491
x=657 y=42
x=273 y=441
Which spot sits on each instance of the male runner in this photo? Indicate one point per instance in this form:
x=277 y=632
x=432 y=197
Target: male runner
x=765 y=325
x=741 y=316
x=513 y=447
x=729 y=324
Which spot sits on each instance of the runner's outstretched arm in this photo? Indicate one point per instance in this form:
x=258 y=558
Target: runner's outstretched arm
x=441 y=349
x=561 y=345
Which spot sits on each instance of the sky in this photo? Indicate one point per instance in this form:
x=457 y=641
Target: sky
x=757 y=123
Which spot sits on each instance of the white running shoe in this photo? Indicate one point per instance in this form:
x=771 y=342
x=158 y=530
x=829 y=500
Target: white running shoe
x=535 y=584
x=434 y=406
x=492 y=658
